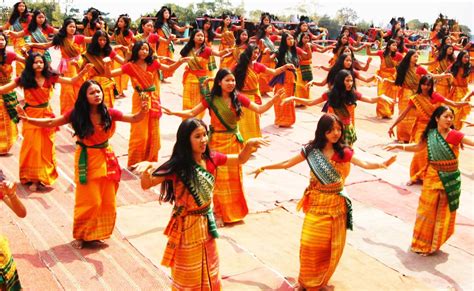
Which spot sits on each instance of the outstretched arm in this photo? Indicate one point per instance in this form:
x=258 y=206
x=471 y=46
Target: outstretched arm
x=251 y=146
x=75 y=79
x=8 y=87
x=264 y=107
x=41 y=122
x=8 y=191
x=133 y=118
x=369 y=165
x=185 y=113
x=296 y=159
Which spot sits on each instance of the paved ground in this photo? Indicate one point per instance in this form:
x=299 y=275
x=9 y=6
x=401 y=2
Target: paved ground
x=262 y=252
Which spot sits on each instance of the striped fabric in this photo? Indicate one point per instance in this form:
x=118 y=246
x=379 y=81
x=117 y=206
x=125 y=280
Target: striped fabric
x=229 y=199
x=121 y=81
x=94 y=209
x=324 y=232
x=8 y=130
x=9 y=279
x=196 y=267
x=383 y=109
x=434 y=222
x=285 y=114
x=405 y=127
x=460 y=113
x=38 y=159
x=249 y=123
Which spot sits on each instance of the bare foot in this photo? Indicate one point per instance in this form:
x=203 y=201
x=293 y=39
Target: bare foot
x=77 y=244
x=33 y=187
x=411 y=182
x=219 y=221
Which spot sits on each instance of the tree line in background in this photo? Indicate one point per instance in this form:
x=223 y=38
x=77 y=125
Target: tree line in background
x=216 y=8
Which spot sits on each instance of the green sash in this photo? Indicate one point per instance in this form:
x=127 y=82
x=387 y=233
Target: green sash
x=10 y=100
x=167 y=32
x=225 y=115
x=39 y=37
x=326 y=174
x=440 y=151
x=42 y=105
x=201 y=189
x=83 y=159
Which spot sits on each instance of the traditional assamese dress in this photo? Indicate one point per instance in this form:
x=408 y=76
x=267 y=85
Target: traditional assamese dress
x=347 y=115
x=97 y=176
x=439 y=199
x=71 y=60
x=121 y=82
x=8 y=102
x=387 y=71
x=18 y=42
x=424 y=107
x=229 y=199
x=194 y=75
x=98 y=74
x=304 y=74
x=38 y=154
x=459 y=90
x=165 y=49
x=40 y=35
x=265 y=59
x=285 y=114
x=249 y=123
x=8 y=274
x=227 y=41
x=144 y=142
x=191 y=251
x=443 y=86
x=408 y=89
x=328 y=212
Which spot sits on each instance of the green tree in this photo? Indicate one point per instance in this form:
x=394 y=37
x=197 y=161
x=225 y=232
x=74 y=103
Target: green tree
x=346 y=15
x=330 y=24
x=51 y=10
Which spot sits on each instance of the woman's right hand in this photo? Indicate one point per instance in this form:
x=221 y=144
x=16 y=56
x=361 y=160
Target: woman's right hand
x=390 y=132
x=140 y=168
x=21 y=112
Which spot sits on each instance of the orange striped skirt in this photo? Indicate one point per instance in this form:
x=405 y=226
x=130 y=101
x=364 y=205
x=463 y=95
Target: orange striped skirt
x=249 y=123
x=229 y=199
x=144 y=142
x=322 y=242
x=121 y=81
x=460 y=113
x=8 y=130
x=285 y=114
x=405 y=127
x=192 y=94
x=196 y=267
x=434 y=222
x=94 y=209
x=419 y=162
x=383 y=109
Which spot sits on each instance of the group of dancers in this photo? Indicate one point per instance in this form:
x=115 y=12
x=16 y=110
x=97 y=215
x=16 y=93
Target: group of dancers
x=203 y=176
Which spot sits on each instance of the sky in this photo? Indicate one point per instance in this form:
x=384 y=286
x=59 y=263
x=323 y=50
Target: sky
x=380 y=12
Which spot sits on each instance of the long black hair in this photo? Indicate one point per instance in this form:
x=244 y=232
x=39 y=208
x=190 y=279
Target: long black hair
x=3 y=51
x=339 y=44
x=298 y=30
x=444 y=54
x=210 y=33
x=240 y=71
x=126 y=29
x=27 y=78
x=326 y=124
x=223 y=17
x=143 y=22
x=338 y=96
x=190 y=45
x=426 y=80
x=261 y=31
x=16 y=14
x=136 y=48
x=217 y=91
x=94 y=47
x=283 y=49
x=403 y=66
x=338 y=66
x=33 y=25
x=433 y=123
x=160 y=20
x=458 y=64
x=80 y=115
x=94 y=22
x=239 y=33
x=182 y=160
x=59 y=38
x=387 y=50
